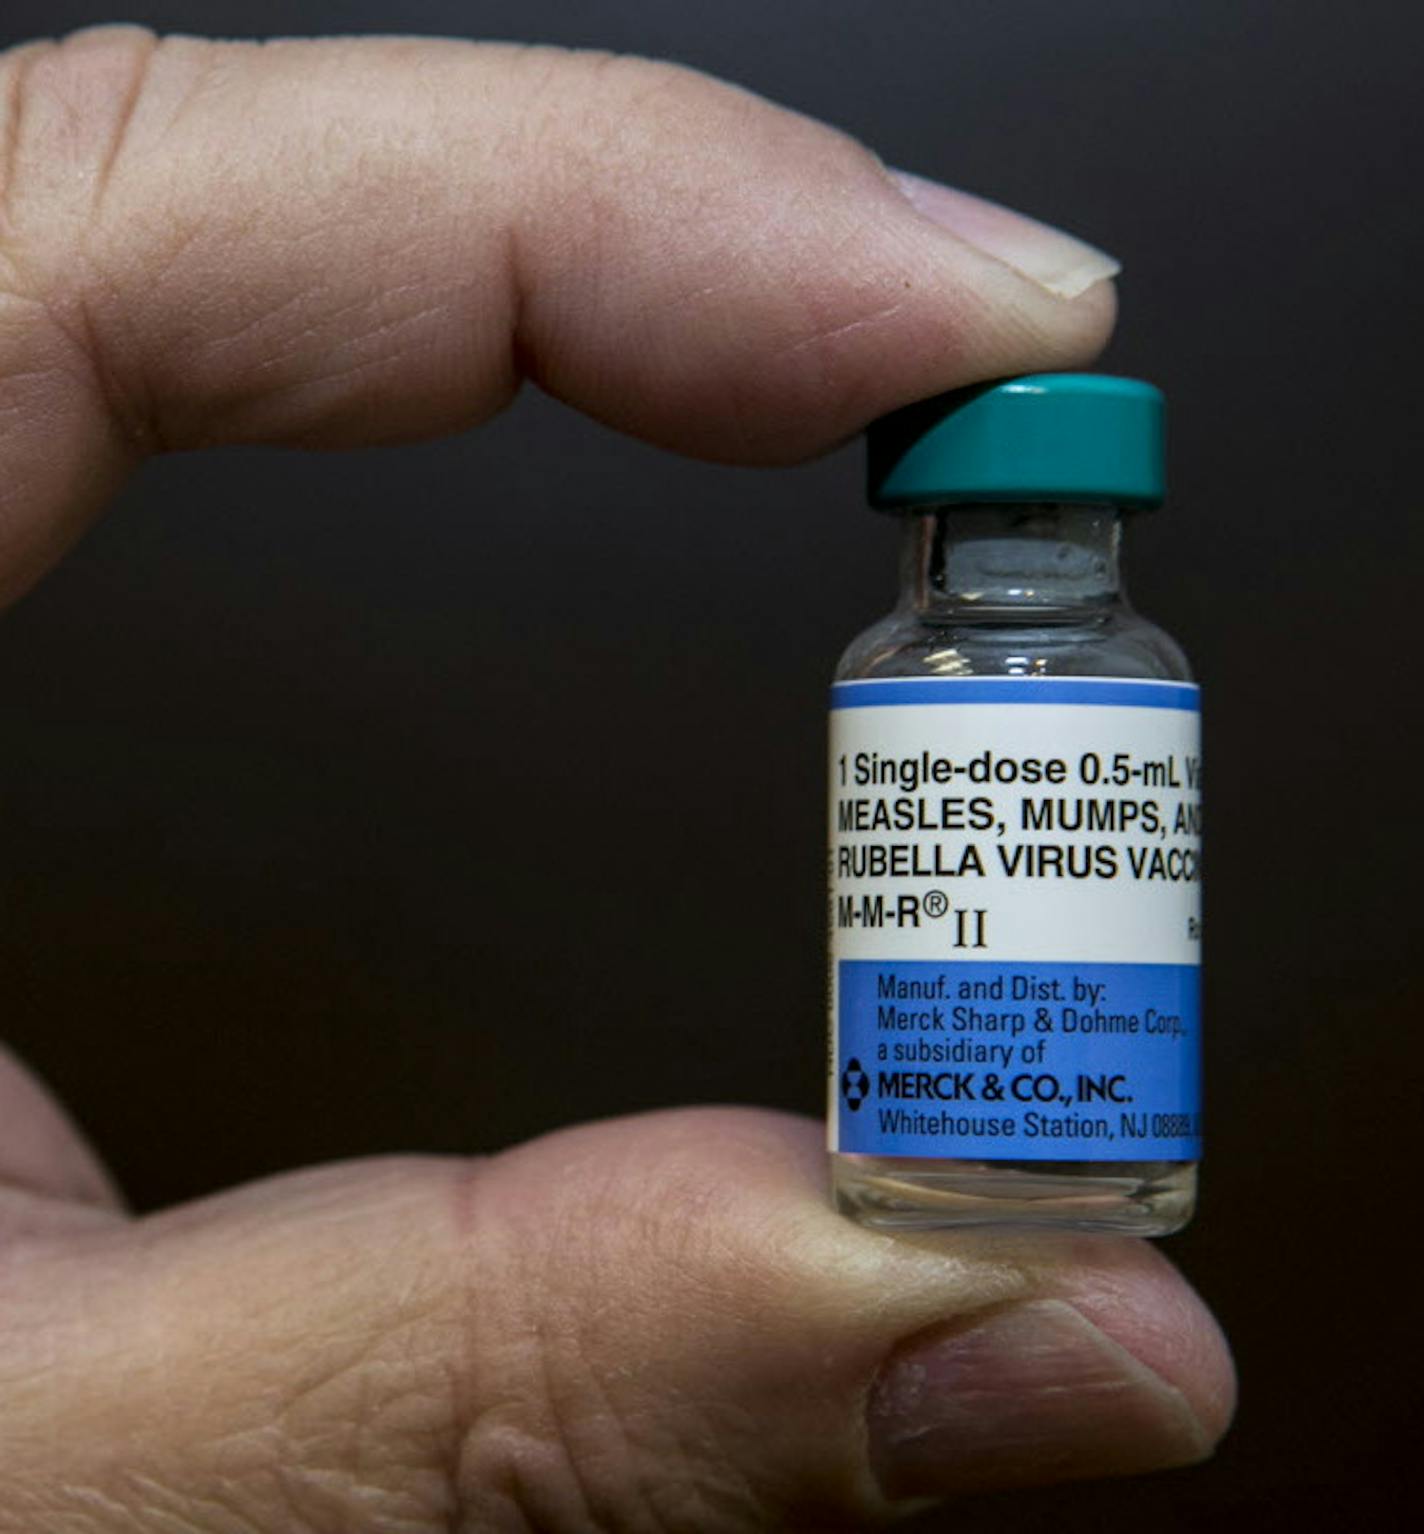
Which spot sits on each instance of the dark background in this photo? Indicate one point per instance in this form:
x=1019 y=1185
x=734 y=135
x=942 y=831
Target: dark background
x=327 y=781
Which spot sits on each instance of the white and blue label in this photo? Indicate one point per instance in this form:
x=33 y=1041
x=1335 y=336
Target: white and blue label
x=1015 y=917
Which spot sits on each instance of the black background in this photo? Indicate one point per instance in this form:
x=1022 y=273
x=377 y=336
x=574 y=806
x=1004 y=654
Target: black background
x=432 y=798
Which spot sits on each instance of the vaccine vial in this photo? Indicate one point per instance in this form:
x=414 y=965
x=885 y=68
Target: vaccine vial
x=1015 y=771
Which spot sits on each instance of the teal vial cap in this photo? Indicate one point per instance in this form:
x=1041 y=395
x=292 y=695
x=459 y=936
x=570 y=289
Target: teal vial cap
x=1073 y=437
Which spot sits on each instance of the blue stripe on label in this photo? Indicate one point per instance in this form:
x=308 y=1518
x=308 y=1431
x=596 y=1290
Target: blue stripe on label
x=1110 y=692
x=1019 y=1062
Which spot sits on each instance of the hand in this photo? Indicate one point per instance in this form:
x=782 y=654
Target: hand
x=655 y=1323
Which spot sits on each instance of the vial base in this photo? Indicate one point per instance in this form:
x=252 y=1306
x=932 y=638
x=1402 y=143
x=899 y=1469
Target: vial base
x=1137 y=1198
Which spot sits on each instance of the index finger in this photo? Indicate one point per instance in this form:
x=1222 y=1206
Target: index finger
x=340 y=242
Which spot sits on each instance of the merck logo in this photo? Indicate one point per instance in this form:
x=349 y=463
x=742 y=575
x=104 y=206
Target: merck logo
x=855 y=1085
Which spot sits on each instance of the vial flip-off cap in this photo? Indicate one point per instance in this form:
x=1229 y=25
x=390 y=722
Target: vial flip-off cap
x=1076 y=438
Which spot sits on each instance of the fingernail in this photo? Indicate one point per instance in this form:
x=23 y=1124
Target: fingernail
x=1031 y=1394
x=1063 y=264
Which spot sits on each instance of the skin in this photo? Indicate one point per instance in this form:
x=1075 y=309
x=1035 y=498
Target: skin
x=647 y=1324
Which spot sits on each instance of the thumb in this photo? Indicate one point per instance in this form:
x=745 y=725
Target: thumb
x=338 y=242
x=655 y=1323
x=722 y=1347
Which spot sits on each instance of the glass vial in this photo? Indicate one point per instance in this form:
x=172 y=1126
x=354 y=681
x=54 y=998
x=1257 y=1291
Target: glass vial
x=1014 y=912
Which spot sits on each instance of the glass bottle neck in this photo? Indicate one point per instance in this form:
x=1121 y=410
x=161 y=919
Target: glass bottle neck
x=1011 y=562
